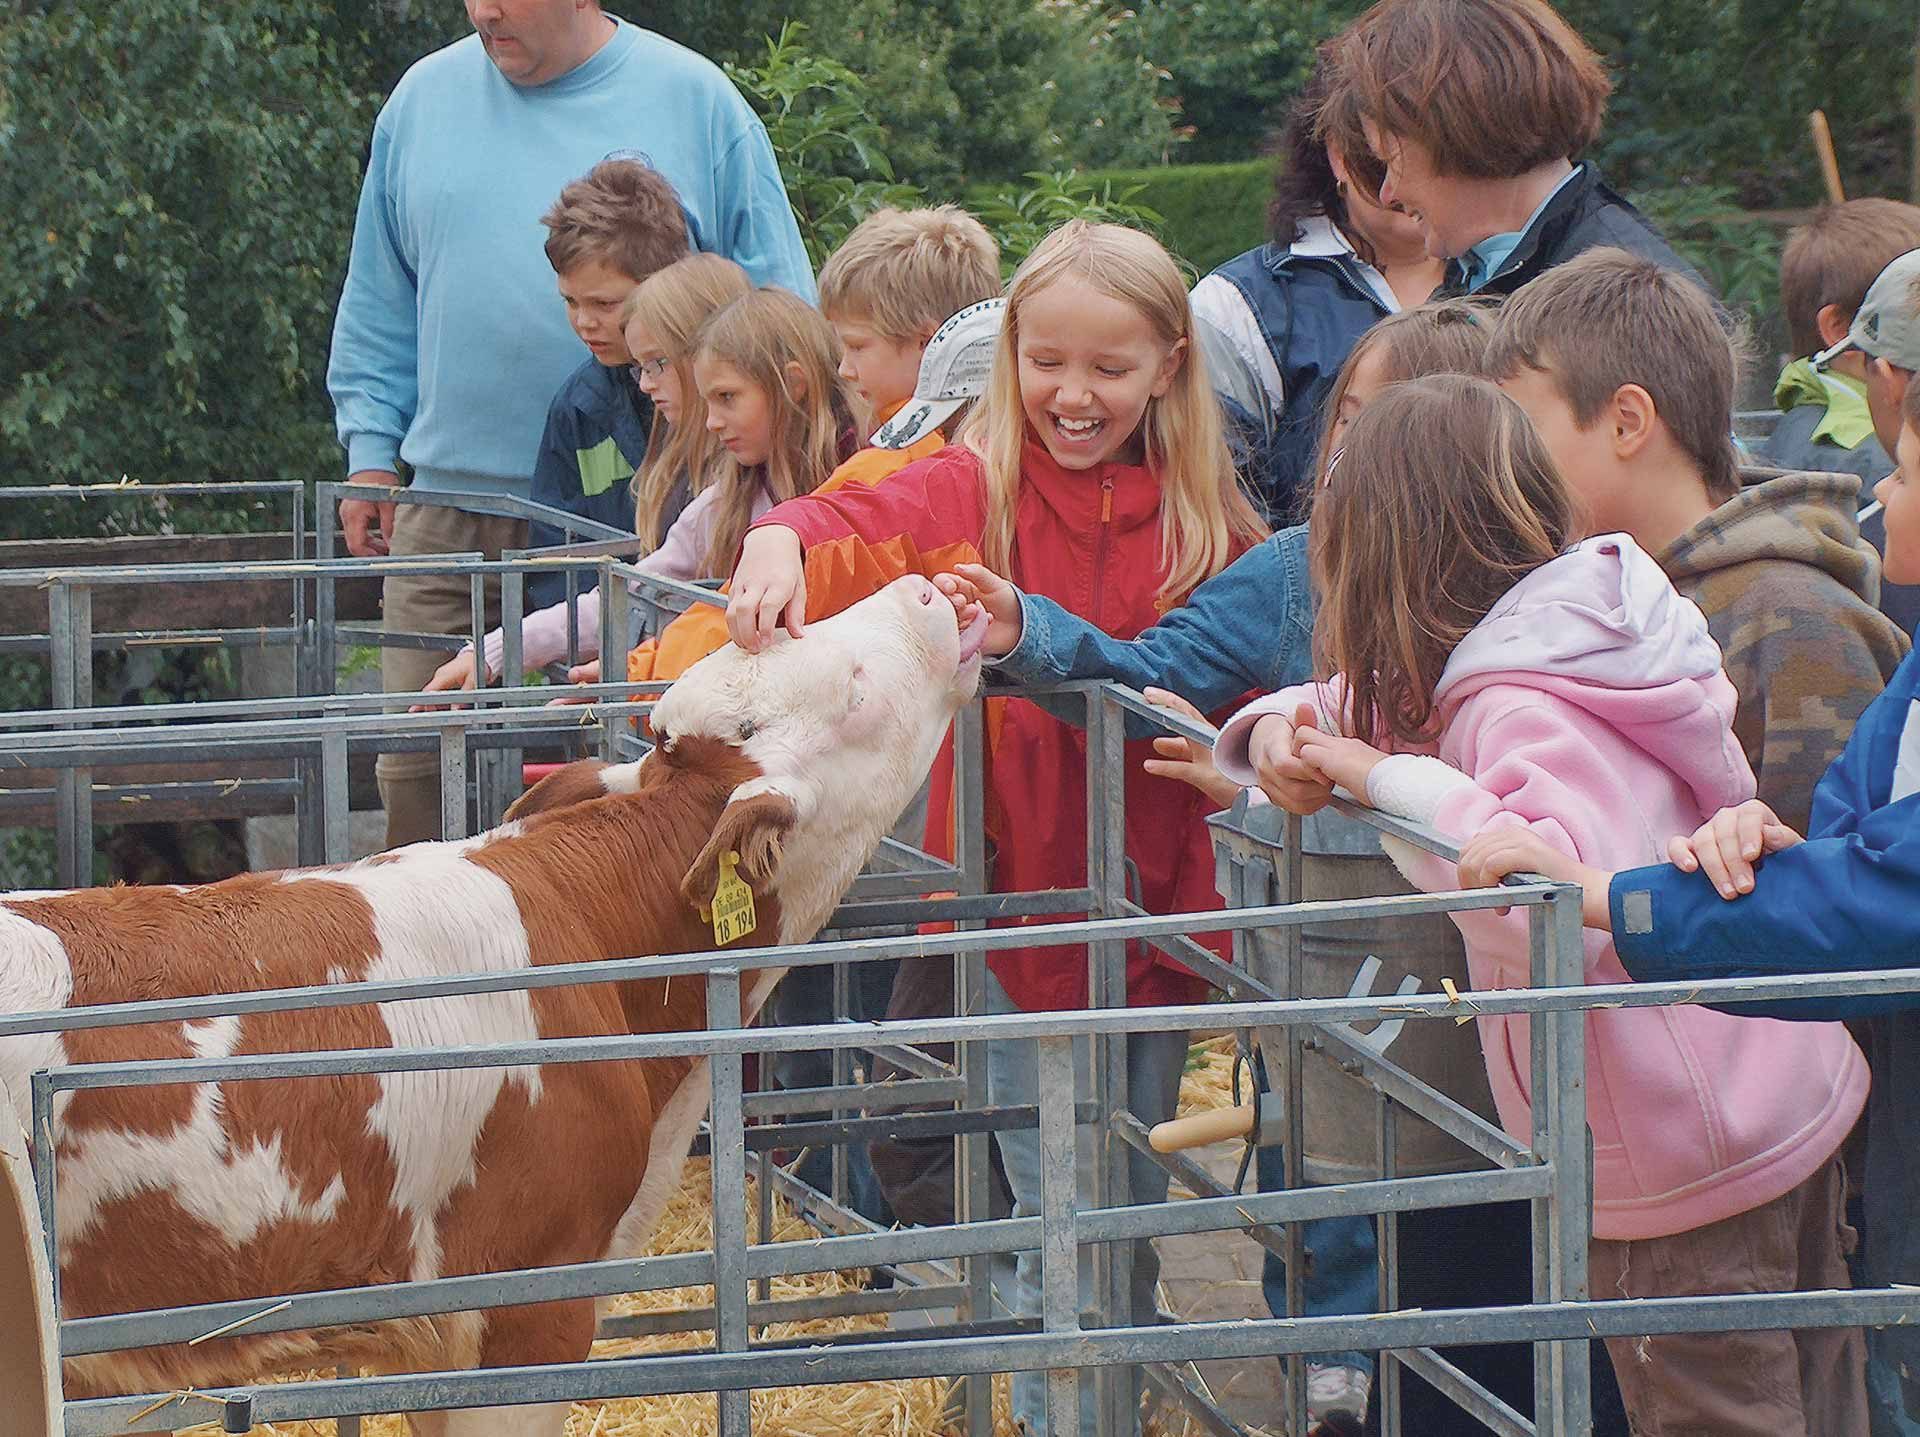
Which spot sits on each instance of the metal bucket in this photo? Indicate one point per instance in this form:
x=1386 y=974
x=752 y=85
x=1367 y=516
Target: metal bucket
x=1342 y=859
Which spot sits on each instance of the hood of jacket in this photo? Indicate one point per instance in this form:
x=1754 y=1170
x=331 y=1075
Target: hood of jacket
x=1804 y=518
x=1602 y=629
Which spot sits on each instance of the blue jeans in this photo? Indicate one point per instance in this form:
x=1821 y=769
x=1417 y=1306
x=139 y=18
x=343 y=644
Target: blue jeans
x=805 y=996
x=1343 y=1264
x=1154 y=1064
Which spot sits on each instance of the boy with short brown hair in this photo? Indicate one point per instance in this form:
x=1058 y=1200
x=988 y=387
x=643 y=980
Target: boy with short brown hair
x=1827 y=268
x=1629 y=378
x=607 y=231
x=1625 y=371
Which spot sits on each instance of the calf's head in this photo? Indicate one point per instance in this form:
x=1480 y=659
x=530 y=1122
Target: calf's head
x=835 y=732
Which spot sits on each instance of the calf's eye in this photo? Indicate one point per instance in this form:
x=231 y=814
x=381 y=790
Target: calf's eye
x=748 y=730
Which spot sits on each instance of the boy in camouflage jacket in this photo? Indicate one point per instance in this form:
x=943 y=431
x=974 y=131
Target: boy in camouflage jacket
x=1629 y=377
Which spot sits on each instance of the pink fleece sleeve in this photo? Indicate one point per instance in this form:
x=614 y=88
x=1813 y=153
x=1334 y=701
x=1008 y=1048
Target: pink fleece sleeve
x=1230 y=750
x=1529 y=765
x=543 y=634
x=682 y=553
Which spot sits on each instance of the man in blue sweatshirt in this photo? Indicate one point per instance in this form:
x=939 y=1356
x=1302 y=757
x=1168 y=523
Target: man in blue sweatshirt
x=449 y=341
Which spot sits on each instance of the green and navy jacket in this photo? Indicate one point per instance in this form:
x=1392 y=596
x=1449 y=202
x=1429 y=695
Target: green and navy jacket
x=596 y=436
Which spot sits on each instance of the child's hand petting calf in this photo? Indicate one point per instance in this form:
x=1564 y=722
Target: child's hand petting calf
x=1186 y=760
x=1289 y=780
x=975 y=585
x=1727 y=845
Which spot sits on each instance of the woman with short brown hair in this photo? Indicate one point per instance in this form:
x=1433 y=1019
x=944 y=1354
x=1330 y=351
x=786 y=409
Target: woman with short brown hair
x=1479 y=111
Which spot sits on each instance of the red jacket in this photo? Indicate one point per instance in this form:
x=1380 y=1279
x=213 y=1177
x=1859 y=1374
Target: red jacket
x=1090 y=540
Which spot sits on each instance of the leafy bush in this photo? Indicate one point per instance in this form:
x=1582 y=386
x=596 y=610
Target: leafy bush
x=1020 y=218
x=182 y=186
x=832 y=151
x=1740 y=255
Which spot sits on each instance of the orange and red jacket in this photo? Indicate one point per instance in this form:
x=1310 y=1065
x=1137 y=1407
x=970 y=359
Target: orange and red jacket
x=1090 y=540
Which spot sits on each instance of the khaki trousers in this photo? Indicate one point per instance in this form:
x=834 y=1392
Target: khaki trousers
x=1810 y=1383
x=430 y=604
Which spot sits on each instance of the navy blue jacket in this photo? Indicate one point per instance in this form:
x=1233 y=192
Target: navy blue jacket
x=596 y=436
x=1311 y=309
x=1584 y=214
x=1248 y=627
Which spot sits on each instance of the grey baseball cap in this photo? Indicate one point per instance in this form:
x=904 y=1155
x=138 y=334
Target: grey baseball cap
x=1888 y=323
x=953 y=370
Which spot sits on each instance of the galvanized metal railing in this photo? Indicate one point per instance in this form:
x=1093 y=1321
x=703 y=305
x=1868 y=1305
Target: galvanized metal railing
x=943 y=1269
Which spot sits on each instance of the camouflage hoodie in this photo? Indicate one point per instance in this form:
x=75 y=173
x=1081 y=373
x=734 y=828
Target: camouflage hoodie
x=1789 y=588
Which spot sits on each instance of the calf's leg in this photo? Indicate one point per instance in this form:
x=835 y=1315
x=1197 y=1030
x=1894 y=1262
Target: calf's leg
x=520 y=1337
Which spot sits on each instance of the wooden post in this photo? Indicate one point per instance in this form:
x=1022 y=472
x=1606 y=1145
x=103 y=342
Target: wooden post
x=1829 y=165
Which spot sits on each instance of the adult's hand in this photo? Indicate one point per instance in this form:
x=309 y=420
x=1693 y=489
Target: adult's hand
x=368 y=523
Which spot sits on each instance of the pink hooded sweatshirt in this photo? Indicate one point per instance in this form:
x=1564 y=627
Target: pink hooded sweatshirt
x=1590 y=706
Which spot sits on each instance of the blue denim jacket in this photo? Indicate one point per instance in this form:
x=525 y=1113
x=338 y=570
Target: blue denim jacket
x=1248 y=627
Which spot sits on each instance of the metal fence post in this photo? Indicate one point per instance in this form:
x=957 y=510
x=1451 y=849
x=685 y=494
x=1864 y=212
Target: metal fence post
x=973 y=1165
x=453 y=781
x=1059 y=1247
x=70 y=633
x=1563 y=1404
x=729 y=1174
x=1117 y=1388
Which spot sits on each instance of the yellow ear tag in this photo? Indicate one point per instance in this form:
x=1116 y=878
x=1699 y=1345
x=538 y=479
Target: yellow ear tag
x=733 y=915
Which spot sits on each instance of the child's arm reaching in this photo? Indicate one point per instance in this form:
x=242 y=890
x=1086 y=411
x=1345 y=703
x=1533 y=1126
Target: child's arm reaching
x=1725 y=849
x=1248 y=627
x=543 y=639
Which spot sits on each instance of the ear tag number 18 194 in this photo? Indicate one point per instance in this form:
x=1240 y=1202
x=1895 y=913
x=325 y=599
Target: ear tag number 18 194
x=733 y=915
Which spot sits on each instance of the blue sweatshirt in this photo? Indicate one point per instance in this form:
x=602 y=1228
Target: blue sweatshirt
x=1248 y=627
x=451 y=337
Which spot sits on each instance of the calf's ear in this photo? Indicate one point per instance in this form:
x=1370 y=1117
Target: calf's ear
x=752 y=827
x=575 y=783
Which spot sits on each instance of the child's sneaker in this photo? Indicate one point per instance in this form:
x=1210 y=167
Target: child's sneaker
x=1337 y=1400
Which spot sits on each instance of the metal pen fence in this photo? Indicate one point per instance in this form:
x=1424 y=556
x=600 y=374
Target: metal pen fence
x=943 y=1270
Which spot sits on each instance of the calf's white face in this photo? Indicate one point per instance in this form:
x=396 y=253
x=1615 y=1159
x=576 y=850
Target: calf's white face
x=843 y=722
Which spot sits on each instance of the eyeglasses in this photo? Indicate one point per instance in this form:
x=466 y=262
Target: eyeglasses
x=642 y=369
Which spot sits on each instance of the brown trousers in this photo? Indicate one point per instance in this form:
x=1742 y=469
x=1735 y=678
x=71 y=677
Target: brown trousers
x=1809 y=1383
x=430 y=604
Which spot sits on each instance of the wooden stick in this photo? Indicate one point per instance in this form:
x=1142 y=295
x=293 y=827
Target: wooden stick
x=1829 y=163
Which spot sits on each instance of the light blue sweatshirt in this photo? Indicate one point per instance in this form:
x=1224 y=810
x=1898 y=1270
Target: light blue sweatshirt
x=451 y=337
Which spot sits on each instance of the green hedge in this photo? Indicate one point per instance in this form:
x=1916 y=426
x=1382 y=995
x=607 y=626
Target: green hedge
x=1208 y=213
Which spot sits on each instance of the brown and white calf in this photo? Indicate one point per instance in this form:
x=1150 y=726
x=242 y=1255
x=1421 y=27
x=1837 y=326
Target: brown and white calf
x=798 y=759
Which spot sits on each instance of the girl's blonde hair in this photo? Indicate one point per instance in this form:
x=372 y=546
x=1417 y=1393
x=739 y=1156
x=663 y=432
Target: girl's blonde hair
x=1443 y=336
x=1203 y=513
x=672 y=304
x=1441 y=499
x=814 y=421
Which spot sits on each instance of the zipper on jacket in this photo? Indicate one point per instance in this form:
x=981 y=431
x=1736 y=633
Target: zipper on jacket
x=1100 y=544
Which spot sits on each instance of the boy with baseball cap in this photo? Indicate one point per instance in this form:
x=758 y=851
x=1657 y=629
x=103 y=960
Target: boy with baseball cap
x=1886 y=330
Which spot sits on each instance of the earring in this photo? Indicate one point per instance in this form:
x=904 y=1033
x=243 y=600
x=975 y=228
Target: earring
x=1340 y=188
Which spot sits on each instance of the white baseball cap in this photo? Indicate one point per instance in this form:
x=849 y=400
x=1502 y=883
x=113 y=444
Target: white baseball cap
x=953 y=370
x=1888 y=323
